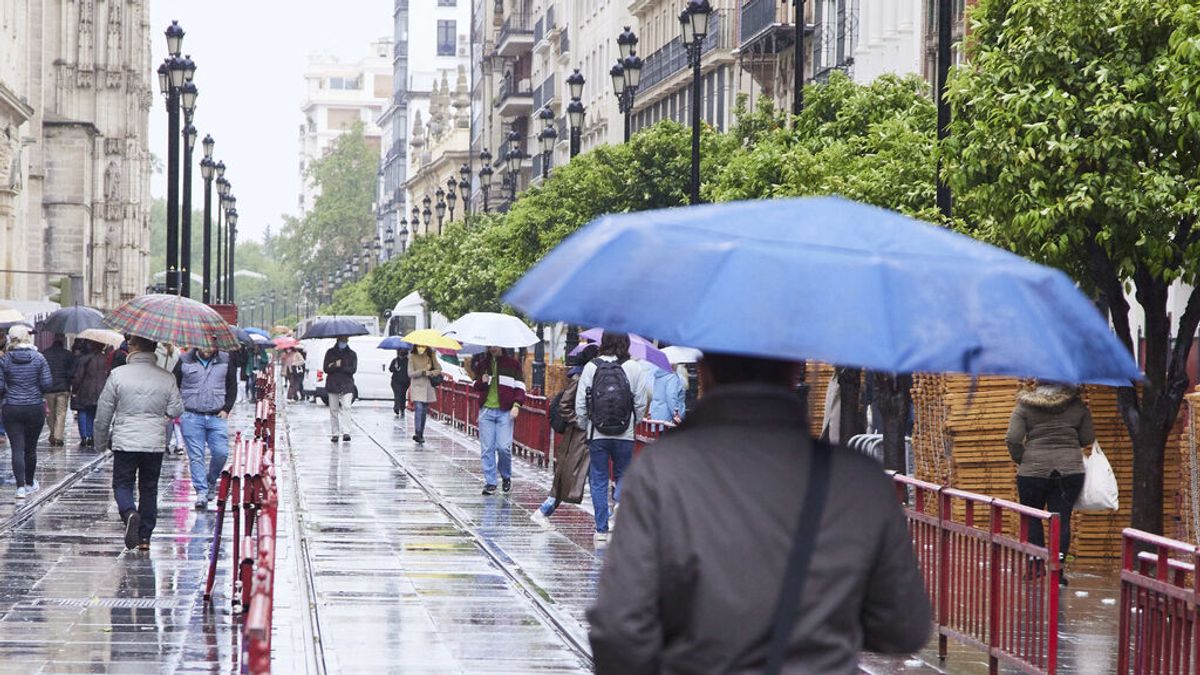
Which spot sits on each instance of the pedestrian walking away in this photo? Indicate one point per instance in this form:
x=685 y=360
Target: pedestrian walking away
x=91 y=372
x=501 y=389
x=293 y=363
x=400 y=381
x=207 y=381
x=669 y=402
x=58 y=396
x=1047 y=432
x=425 y=374
x=571 y=466
x=613 y=394
x=340 y=365
x=709 y=520
x=137 y=401
x=24 y=380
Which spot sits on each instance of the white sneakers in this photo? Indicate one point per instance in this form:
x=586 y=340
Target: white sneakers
x=21 y=492
x=34 y=488
x=541 y=520
x=612 y=518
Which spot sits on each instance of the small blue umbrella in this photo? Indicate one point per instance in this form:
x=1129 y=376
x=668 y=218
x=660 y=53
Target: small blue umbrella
x=328 y=328
x=258 y=331
x=394 y=342
x=827 y=279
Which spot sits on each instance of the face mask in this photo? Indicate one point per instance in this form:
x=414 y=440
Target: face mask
x=343 y=343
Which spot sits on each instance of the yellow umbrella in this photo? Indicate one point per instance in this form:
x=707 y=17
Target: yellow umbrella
x=432 y=339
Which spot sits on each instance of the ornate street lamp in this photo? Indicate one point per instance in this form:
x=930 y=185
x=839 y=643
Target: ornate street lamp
x=440 y=207
x=207 y=169
x=389 y=241
x=485 y=176
x=451 y=194
x=464 y=187
x=694 y=24
x=548 y=136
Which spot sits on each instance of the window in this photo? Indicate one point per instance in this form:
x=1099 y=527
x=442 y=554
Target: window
x=447 y=37
x=447 y=3
x=344 y=83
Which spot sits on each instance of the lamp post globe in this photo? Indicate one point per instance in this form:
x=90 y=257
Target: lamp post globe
x=220 y=169
x=633 y=71
x=174 y=35
x=464 y=174
x=189 y=137
x=175 y=68
x=189 y=68
x=617 y=73
x=187 y=97
x=626 y=42
x=206 y=169
x=575 y=84
x=164 y=77
x=685 y=28
x=426 y=215
x=700 y=12
x=208 y=144
x=575 y=112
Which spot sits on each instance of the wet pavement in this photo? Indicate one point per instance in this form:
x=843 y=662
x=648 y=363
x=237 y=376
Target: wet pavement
x=389 y=560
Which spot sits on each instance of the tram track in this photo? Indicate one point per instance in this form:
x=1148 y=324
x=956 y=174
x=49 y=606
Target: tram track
x=49 y=495
x=568 y=631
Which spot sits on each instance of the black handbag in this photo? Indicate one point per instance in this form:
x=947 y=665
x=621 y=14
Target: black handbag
x=436 y=380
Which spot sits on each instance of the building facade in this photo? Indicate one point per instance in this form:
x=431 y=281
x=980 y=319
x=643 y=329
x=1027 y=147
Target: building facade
x=338 y=95
x=75 y=97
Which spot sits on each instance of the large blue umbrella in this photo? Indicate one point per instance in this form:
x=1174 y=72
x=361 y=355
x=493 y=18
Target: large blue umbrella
x=827 y=279
x=393 y=342
x=328 y=328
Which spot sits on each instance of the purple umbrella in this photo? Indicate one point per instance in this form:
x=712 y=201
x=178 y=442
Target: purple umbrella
x=639 y=348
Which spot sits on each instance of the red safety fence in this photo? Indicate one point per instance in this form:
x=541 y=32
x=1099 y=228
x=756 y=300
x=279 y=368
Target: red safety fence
x=249 y=493
x=1160 y=599
x=991 y=587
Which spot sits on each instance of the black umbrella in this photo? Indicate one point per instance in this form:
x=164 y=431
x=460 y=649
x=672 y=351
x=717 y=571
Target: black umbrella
x=73 y=320
x=328 y=328
x=242 y=336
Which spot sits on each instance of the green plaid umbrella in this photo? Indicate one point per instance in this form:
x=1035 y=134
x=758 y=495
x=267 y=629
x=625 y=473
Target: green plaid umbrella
x=175 y=320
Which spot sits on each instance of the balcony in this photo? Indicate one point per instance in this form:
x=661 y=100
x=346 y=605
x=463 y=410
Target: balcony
x=514 y=99
x=767 y=28
x=544 y=32
x=672 y=57
x=516 y=36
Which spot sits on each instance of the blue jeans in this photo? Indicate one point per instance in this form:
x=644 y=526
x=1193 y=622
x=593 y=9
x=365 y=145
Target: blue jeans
x=601 y=451
x=495 y=436
x=142 y=468
x=549 y=506
x=420 y=410
x=198 y=431
x=86 y=418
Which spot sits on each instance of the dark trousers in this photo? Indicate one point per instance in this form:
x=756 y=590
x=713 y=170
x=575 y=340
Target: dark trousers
x=143 y=468
x=1056 y=494
x=399 y=396
x=23 y=424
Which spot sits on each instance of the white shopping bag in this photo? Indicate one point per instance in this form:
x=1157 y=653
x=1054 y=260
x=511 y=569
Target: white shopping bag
x=1100 y=489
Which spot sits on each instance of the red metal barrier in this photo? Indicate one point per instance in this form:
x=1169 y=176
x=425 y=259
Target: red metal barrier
x=647 y=432
x=991 y=590
x=1159 y=624
x=532 y=436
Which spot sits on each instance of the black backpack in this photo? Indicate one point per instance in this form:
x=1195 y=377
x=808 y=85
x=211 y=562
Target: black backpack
x=557 y=422
x=610 y=399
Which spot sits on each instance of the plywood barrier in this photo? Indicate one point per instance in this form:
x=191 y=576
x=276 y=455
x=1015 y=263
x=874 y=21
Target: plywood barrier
x=958 y=440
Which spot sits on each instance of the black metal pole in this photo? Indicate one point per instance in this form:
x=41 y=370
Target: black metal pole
x=219 y=272
x=173 y=190
x=539 y=360
x=206 y=291
x=798 y=75
x=545 y=165
x=229 y=256
x=575 y=141
x=944 y=199
x=627 y=105
x=696 y=95
x=185 y=236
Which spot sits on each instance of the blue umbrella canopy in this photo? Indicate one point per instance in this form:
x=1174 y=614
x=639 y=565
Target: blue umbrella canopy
x=394 y=342
x=258 y=331
x=328 y=328
x=828 y=279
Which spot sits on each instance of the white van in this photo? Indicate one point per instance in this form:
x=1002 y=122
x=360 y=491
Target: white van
x=372 y=381
x=410 y=314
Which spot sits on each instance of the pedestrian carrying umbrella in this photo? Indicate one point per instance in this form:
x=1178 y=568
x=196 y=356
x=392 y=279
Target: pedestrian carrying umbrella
x=393 y=342
x=285 y=342
x=491 y=329
x=639 y=348
x=175 y=320
x=103 y=336
x=328 y=328
x=828 y=279
x=433 y=339
x=73 y=320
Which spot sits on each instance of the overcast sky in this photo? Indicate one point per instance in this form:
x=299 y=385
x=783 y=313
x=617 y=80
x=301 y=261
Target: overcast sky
x=250 y=57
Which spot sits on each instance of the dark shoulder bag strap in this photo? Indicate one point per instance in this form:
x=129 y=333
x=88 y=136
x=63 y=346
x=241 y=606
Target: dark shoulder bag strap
x=803 y=545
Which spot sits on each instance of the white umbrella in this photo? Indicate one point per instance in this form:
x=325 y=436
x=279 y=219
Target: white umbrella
x=103 y=336
x=492 y=330
x=683 y=354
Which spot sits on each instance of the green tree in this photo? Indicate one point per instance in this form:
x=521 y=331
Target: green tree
x=1073 y=144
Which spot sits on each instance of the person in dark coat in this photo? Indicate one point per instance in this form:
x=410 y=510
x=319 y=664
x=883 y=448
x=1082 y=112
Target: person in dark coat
x=91 y=372
x=1047 y=432
x=62 y=367
x=400 y=381
x=340 y=365
x=691 y=579
x=571 y=467
x=24 y=380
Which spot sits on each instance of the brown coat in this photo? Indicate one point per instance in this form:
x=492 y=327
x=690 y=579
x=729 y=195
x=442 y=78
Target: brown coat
x=693 y=573
x=571 y=470
x=1047 y=431
x=420 y=367
x=91 y=373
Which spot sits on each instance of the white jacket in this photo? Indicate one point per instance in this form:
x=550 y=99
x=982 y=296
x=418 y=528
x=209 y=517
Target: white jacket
x=137 y=400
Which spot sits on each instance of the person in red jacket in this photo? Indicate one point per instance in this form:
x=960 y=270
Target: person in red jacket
x=500 y=383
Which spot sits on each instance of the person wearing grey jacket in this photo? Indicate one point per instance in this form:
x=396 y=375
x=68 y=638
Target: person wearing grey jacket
x=692 y=577
x=1047 y=432
x=136 y=402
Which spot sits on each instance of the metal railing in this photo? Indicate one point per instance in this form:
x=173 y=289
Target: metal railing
x=991 y=587
x=672 y=57
x=759 y=15
x=539 y=30
x=508 y=89
x=514 y=24
x=1160 y=605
